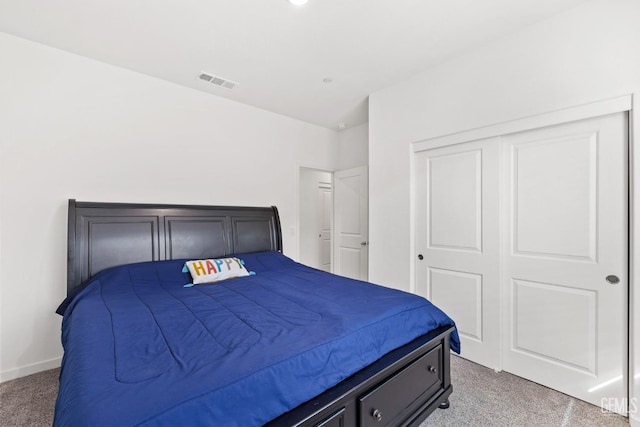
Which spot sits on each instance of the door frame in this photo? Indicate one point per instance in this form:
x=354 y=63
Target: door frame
x=298 y=236
x=573 y=113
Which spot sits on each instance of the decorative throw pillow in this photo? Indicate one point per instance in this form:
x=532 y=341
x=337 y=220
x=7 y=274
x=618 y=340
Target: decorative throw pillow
x=214 y=270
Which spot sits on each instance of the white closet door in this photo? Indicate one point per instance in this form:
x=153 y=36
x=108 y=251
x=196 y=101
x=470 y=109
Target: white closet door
x=457 y=241
x=565 y=258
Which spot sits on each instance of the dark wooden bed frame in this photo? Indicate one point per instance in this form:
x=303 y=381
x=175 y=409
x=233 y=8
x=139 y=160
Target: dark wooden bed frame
x=400 y=389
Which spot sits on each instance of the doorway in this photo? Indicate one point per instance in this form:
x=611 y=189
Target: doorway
x=333 y=221
x=316 y=218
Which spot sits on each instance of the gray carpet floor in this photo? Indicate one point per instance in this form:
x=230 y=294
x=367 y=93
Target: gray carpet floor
x=481 y=397
x=29 y=401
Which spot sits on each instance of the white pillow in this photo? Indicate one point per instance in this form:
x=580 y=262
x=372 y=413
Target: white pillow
x=215 y=270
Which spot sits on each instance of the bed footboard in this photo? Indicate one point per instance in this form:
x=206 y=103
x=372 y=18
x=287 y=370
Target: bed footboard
x=400 y=389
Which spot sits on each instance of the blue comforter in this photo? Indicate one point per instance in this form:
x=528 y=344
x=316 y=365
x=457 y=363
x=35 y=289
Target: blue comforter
x=141 y=349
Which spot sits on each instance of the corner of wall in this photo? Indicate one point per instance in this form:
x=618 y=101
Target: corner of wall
x=353 y=147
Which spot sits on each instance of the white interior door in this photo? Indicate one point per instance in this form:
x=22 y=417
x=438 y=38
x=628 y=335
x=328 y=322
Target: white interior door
x=565 y=258
x=351 y=223
x=325 y=194
x=457 y=241
x=315 y=210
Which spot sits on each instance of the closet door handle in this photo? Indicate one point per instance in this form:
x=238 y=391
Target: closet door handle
x=420 y=257
x=612 y=279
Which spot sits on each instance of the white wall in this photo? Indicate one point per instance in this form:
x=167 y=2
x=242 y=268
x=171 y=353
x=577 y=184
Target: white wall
x=71 y=127
x=353 y=147
x=588 y=54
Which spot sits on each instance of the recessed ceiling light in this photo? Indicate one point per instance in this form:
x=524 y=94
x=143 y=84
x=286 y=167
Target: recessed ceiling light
x=298 y=2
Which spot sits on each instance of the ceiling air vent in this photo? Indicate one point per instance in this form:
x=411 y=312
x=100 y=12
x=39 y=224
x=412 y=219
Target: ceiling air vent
x=217 y=81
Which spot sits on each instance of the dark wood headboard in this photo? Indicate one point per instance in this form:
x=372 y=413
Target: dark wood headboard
x=103 y=235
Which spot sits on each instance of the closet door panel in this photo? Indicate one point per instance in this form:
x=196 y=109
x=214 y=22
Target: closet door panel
x=566 y=238
x=457 y=241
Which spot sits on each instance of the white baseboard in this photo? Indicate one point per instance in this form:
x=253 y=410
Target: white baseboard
x=30 y=369
x=633 y=421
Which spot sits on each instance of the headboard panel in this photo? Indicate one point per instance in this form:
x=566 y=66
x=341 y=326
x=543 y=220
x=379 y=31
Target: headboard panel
x=103 y=235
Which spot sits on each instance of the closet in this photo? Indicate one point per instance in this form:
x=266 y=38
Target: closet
x=522 y=239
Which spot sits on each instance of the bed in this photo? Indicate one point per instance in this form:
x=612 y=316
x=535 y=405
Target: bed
x=287 y=345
